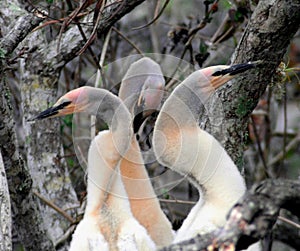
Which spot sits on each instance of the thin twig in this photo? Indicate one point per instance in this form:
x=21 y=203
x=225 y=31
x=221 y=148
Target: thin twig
x=224 y=35
x=260 y=151
x=284 y=124
x=98 y=76
x=82 y=157
x=221 y=26
x=93 y=34
x=281 y=134
x=155 y=18
x=172 y=80
x=294 y=224
x=69 y=19
x=101 y=61
x=65 y=236
x=289 y=146
x=89 y=48
x=267 y=120
x=127 y=40
x=156 y=10
x=178 y=201
x=168 y=84
x=191 y=36
x=66 y=156
x=56 y=208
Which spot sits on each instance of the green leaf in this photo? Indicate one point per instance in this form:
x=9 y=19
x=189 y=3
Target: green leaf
x=225 y=4
x=2 y=53
x=203 y=48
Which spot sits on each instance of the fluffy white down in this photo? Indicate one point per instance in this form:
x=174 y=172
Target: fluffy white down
x=87 y=236
x=134 y=237
x=201 y=220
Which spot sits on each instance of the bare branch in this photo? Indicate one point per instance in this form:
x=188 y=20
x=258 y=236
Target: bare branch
x=56 y=208
x=71 y=43
x=23 y=27
x=266 y=38
x=155 y=18
x=251 y=218
x=127 y=40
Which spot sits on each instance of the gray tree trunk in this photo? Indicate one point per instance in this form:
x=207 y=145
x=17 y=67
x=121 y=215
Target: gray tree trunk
x=5 y=211
x=38 y=84
x=37 y=225
x=267 y=37
x=26 y=215
x=28 y=225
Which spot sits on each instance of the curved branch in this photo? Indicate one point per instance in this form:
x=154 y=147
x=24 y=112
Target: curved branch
x=71 y=43
x=155 y=18
x=24 y=25
x=251 y=218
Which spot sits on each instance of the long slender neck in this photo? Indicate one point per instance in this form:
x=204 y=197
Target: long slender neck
x=219 y=181
x=178 y=119
x=107 y=200
x=111 y=109
x=107 y=149
x=104 y=180
x=182 y=146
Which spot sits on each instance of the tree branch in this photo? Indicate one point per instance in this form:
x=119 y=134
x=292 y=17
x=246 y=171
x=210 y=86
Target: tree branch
x=266 y=38
x=286 y=234
x=19 y=181
x=251 y=218
x=24 y=25
x=18 y=178
x=71 y=42
x=5 y=211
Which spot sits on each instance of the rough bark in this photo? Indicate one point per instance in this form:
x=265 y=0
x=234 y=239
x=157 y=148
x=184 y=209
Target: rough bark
x=275 y=20
x=71 y=41
x=251 y=218
x=24 y=205
x=26 y=215
x=38 y=83
x=43 y=145
x=266 y=38
x=5 y=211
x=23 y=27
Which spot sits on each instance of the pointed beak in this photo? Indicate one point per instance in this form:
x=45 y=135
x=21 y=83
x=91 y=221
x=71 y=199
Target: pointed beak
x=55 y=111
x=236 y=69
x=222 y=76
